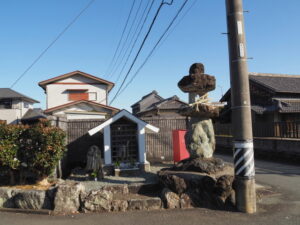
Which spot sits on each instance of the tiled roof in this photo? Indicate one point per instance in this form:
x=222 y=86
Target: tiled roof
x=32 y=114
x=280 y=83
x=289 y=105
x=9 y=93
x=77 y=72
x=145 y=97
x=169 y=103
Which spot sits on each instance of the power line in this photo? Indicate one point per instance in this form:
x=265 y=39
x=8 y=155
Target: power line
x=157 y=43
x=116 y=64
x=53 y=42
x=135 y=41
x=145 y=38
x=122 y=35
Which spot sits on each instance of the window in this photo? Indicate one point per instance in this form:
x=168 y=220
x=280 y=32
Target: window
x=5 y=103
x=26 y=105
x=75 y=95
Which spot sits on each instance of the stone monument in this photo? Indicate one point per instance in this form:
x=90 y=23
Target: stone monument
x=200 y=180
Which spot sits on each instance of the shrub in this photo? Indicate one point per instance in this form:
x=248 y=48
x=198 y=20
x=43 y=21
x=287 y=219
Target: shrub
x=36 y=148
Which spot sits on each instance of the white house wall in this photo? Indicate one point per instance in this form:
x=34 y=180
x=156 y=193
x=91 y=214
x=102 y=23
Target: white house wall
x=81 y=108
x=75 y=116
x=57 y=94
x=16 y=113
x=10 y=115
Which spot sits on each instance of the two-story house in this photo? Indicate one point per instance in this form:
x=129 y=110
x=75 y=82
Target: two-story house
x=78 y=95
x=13 y=105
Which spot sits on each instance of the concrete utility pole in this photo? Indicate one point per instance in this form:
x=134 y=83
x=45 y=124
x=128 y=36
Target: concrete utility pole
x=241 y=109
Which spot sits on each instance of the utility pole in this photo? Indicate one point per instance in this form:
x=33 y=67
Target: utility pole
x=241 y=109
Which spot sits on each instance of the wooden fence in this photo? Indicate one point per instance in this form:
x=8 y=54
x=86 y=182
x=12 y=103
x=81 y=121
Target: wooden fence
x=159 y=146
x=79 y=140
x=276 y=129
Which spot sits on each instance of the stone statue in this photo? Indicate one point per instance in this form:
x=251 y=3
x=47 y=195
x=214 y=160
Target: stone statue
x=94 y=161
x=200 y=137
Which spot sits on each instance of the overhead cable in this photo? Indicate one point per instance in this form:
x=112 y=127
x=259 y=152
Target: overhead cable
x=53 y=42
x=141 y=46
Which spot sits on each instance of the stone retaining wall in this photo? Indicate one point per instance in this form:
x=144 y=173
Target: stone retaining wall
x=71 y=197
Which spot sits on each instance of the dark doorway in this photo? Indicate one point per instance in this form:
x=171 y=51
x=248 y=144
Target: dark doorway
x=124 y=143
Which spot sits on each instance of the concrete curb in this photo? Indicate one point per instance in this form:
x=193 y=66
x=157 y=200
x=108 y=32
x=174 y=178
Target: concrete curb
x=27 y=211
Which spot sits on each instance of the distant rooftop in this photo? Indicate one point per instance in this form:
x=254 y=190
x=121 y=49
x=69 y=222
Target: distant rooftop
x=9 y=93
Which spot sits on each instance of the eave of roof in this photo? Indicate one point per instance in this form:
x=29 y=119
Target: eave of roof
x=155 y=93
x=78 y=102
x=43 y=84
x=120 y=114
x=9 y=93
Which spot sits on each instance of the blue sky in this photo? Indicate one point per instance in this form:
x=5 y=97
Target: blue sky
x=27 y=28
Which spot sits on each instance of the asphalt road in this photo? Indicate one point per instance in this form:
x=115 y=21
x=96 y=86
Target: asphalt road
x=282 y=207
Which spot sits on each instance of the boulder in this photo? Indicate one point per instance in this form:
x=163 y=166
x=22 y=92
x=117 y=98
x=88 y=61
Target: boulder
x=119 y=205
x=154 y=203
x=97 y=201
x=67 y=198
x=223 y=187
x=210 y=166
x=197 y=81
x=31 y=199
x=170 y=199
x=6 y=198
x=137 y=204
x=117 y=189
x=200 y=138
x=174 y=183
x=186 y=201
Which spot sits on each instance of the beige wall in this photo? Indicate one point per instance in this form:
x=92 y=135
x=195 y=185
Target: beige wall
x=16 y=113
x=57 y=94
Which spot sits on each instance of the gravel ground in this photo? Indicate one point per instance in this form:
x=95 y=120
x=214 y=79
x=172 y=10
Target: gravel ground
x=141 y=178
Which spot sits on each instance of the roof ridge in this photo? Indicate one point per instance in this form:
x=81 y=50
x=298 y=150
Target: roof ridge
x=274 y=75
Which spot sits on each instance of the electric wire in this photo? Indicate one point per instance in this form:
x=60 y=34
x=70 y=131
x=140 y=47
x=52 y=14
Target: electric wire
x=136 y=38
x=53 y=42
x=121 y=38
x=116 y=64
x=141 y=47
x=157 y=43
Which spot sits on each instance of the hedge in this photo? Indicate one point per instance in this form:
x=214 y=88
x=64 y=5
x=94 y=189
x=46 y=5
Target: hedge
x=35 y=149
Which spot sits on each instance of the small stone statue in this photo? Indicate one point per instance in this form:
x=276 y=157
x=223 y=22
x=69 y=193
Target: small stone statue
x=94 y=161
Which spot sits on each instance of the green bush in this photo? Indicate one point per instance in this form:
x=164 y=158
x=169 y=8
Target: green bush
x=36 y=148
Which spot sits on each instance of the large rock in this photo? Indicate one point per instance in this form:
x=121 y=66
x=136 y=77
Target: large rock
x=197 y=81
x=211 y=166
x=186 y=201
x=200 y=138
x=6 y=198
x=197 y=190
x=224 y=193
x=174 y=183
x=170 y=199
x=119 y=205
x=31 y=199
x=97 y=201
x=67 y=198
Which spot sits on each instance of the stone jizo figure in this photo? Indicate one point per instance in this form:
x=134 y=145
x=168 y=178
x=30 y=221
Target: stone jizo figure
x=94 y=161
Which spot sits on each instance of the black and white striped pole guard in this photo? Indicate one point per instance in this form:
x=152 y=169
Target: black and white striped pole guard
x=244 y=159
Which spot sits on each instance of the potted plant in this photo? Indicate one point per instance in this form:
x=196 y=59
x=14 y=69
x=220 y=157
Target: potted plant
x=94 y=176
x=117 y=165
